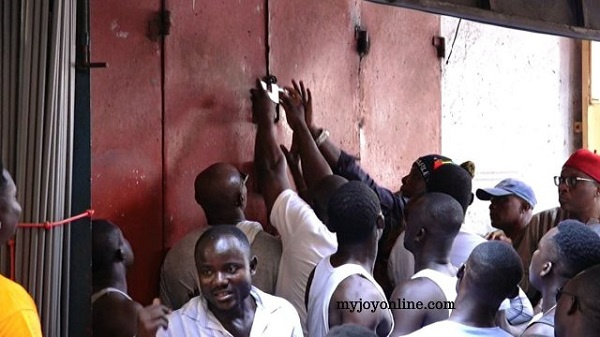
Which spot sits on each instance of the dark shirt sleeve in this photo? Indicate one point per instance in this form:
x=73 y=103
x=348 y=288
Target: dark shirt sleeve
x=347 y=167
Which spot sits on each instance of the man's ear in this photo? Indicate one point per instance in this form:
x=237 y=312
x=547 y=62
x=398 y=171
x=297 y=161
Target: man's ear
x=547 y=268
x=253 y=264
x=240 y=199
x=421 y=235
x=380 y=222
x=120 y=255
x=572 y=306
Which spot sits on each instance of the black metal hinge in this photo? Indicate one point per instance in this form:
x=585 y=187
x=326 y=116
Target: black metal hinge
x=160 y=25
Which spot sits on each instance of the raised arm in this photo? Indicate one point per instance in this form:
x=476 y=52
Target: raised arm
x=314 y=166
x=269 y=161
x=345 y=165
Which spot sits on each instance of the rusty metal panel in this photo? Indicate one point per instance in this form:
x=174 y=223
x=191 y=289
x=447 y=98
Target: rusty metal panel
x=577 y=19
x=213 y=53
x=126 y=133
x=400 y=90
x=314 y=41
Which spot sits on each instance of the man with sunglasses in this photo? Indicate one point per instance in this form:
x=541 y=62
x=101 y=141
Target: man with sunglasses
x=221 y=191
x=577 y=308
x=562 y=253
x=579 y=197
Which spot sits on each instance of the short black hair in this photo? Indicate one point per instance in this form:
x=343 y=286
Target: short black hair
x=216 y=232
x=455 y=181
x=441 y=213
x=353 y=210
x=578 y=246
x=350 y=330
x=496 y=269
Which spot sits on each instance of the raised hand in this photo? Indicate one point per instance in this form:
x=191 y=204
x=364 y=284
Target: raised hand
x=263 y=109
x=152 y=318
x=306 y=101
x=292 y=102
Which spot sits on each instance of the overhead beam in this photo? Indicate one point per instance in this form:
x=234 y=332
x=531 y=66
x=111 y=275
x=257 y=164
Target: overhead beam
x=575 y=19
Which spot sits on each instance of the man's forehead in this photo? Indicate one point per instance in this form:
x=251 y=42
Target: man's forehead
x=226 y=245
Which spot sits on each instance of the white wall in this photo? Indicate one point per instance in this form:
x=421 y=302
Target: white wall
x=509 y=99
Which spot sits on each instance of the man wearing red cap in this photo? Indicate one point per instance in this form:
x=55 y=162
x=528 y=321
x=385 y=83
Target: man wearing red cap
x=579 y=197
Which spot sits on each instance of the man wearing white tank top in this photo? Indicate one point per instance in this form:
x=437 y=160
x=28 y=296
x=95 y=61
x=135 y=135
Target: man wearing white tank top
x=490 y=275
x=342 y=284
x=432 y=222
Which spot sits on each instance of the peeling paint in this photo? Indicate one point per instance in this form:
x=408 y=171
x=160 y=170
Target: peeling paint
x=114 y=27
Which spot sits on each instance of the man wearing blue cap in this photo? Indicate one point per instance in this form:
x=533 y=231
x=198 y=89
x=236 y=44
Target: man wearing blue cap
x=511 y=209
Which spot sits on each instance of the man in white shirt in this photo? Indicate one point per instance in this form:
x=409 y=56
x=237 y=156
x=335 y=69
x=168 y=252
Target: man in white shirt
x=344 y=280
x=221 y=191
x=432 y=222
x=230 y=305
x=305 y=239
x=490 y=275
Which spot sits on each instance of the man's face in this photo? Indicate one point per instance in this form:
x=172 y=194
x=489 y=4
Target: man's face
x=413 y=223
x=505 y=211
x=413 y=183
x=224 y=272
x=579 y=197
x=544 y=254
x=126 y=250
x=10 y=209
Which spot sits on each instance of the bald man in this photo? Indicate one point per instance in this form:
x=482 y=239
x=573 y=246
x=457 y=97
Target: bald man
x=432 y=222
x=221 y=191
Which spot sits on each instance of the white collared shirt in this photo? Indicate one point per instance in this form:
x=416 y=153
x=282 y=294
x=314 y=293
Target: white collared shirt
x=274 y=317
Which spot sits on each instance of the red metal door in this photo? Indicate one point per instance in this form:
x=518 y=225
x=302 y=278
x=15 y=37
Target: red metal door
x=214 y=52
x=126 y=133
x=147 y=151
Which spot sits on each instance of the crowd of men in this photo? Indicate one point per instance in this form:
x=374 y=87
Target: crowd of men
x=344 y=239
x=351 y=258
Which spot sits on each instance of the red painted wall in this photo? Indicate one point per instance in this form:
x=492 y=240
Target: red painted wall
x=126 y=133
x=384 y=108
